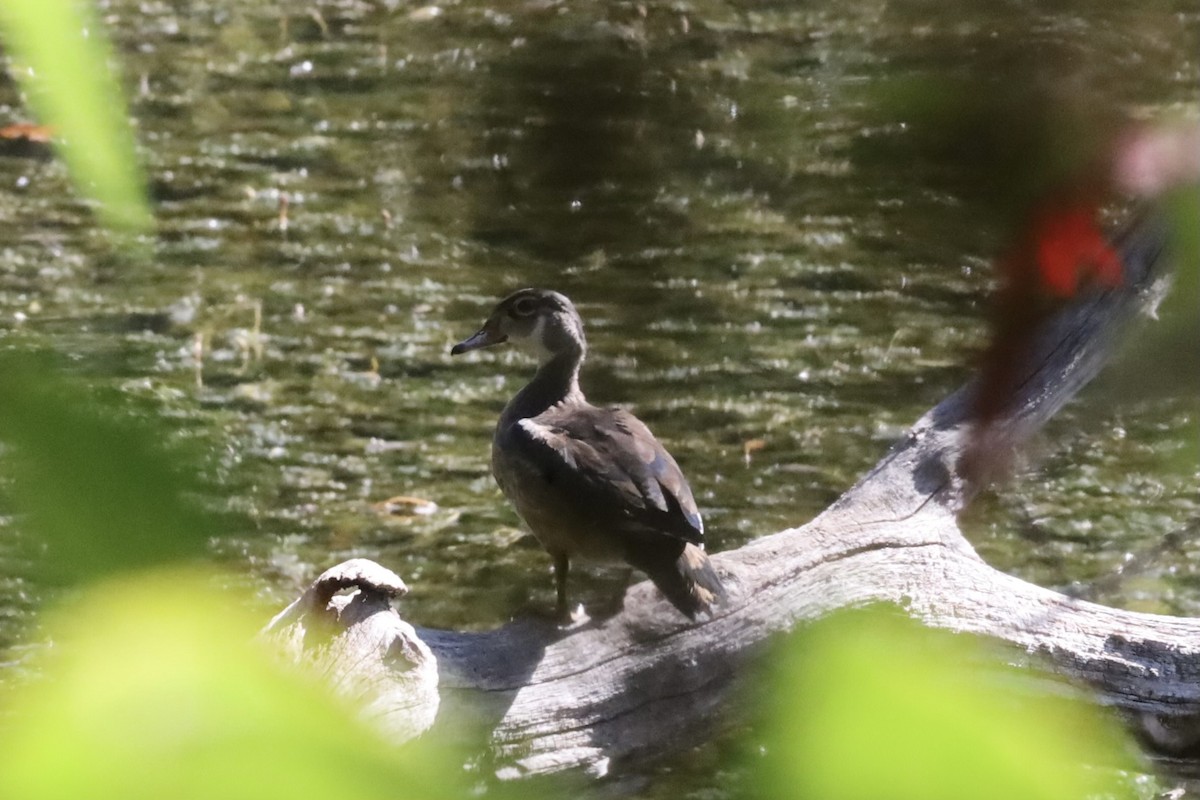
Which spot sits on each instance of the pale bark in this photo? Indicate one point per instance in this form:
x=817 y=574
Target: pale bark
x=639 y=684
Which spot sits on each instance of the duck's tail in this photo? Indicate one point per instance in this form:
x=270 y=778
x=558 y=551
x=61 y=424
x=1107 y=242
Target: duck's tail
x=689 y=581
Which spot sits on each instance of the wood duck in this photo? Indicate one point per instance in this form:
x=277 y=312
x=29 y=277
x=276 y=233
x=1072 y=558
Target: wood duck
x=590 y=482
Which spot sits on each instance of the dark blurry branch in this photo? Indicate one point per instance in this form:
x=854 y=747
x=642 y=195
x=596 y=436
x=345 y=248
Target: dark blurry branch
x=646 y=681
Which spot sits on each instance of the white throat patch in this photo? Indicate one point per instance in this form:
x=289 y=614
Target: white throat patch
x=534 y=344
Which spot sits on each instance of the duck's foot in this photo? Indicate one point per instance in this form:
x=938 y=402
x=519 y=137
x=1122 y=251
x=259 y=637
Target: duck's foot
x=570 y=618
x=564 y=619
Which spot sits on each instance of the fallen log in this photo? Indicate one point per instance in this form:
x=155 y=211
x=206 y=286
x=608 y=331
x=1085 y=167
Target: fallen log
x=632 y=687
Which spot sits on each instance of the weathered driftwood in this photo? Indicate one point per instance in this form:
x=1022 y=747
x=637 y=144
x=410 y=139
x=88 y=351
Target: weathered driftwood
x=632 y=686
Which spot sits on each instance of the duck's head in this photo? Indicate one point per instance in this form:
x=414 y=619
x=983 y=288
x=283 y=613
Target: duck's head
x=539 y=321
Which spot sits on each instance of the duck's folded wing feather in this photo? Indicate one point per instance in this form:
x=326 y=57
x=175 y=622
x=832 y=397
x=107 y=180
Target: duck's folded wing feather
x=612 y=462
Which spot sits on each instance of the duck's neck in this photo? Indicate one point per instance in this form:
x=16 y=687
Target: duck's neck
x=556 y=381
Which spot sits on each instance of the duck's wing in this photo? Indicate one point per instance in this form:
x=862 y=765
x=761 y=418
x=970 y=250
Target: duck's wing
x=609 y=461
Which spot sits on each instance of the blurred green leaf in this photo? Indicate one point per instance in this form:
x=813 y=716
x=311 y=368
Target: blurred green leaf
x=155 y=688
x=64 y=68
x=1163 y=359
x=1183 y=210
x=1173 y=366
x=94 y=485
x=872 y=705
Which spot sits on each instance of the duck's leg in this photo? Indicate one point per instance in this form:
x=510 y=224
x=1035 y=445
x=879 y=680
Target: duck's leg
x=567 y=617
x=562 y=566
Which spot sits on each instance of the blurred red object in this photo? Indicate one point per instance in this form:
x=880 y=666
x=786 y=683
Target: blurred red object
x=1069 y=248
x=27 y=132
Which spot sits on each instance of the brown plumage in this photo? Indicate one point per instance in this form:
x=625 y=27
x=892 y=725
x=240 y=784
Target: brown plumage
x=590 y=482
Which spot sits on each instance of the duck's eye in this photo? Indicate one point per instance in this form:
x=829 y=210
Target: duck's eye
x=525 y=307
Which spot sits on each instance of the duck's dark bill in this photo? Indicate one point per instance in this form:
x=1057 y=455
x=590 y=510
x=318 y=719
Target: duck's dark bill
x=484 y=338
